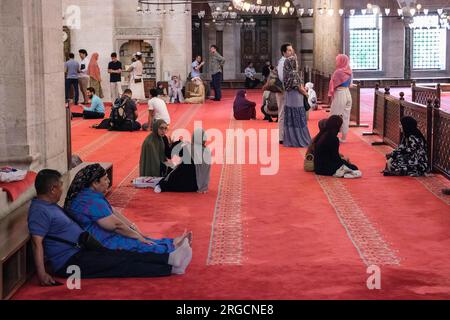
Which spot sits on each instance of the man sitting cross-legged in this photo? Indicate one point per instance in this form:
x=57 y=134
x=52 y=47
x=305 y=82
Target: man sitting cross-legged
x=58 y=238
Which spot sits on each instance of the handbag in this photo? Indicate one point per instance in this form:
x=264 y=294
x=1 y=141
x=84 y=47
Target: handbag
x=308 y=163
x=137 y=80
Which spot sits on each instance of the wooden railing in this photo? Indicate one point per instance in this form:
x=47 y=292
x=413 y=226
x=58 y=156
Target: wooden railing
x=433 y=122
x=421 y=94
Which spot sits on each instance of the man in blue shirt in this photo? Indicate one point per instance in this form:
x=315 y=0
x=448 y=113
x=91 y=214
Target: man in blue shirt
x=72 y=68
x=52 y=230
x=97 y=109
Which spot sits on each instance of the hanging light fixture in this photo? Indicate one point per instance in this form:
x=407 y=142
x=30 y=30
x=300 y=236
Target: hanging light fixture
x=284 y=10
x=276 y=9
x=387 y=11
x=341 y=12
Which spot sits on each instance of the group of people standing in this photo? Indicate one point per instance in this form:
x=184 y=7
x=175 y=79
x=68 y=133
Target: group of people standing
x=86 y=74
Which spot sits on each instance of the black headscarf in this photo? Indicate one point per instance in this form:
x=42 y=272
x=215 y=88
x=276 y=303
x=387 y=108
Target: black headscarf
x=83 y=179
x=322 y=129
x=334 y=124
x=409 y=125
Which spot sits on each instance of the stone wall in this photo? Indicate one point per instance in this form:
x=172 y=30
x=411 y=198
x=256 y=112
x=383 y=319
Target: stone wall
x=106 y=23
x=32 y=113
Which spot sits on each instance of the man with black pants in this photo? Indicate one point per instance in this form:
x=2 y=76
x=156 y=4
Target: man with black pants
x=216 y=63
x=115 y=71
x=52 y=231
x=72 y=68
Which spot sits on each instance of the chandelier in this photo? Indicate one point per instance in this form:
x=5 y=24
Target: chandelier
x=305 y=8
x=228 y=11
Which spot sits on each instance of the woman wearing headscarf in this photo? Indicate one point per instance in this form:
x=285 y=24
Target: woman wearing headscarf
x=193 y=174
x=309 y=156
x=410 y=157
x=243 y=109
x=339 y=92
x=136 y=77
x=94 y=74
x=87 y=205
x=327 y=159
x=198 y=94
x=296 y=133
x=156 y=150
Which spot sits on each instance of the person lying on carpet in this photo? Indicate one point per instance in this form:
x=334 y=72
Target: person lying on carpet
x=97 y=109
x=193 y=173
x=87 y=205
x=243 y=109
x=156 y=151
x=410 y=157
x=59 y=239
x=327 y=159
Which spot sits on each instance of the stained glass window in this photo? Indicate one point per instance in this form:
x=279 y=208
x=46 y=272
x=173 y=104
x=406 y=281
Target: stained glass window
x=365 y=42
x=428 y=43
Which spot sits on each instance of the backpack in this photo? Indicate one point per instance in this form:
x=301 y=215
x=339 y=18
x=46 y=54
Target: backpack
x=272 y=104
x=118 y=115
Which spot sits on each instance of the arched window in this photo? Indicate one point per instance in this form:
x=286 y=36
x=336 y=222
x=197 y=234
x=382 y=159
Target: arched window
x=428 y=43
x=365 y=42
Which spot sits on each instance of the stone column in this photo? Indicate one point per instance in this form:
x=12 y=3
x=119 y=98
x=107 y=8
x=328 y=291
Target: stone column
x=177 y=43
x=32 y=113
x=328 y=36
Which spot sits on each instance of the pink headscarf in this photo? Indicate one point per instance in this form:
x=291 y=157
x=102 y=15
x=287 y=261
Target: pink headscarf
x=342 y=74
x=93 y=68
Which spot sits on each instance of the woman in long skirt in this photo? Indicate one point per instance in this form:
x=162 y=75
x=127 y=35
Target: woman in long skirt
x=94 y=74
x=296 y=133
x=340 y=83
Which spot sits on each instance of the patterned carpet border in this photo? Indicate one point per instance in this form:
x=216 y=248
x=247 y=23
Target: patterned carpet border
x=226 y=243
x=369 y=243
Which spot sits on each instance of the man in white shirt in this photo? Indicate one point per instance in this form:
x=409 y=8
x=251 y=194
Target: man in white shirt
x=286 y=50
x=83 y=77
x=157 y=109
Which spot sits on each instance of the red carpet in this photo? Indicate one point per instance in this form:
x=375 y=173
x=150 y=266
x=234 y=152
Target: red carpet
x=288 y=236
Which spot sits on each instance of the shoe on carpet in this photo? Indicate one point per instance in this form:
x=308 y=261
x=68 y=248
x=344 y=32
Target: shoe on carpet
x=158 y=189
x=353 y=175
